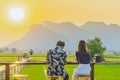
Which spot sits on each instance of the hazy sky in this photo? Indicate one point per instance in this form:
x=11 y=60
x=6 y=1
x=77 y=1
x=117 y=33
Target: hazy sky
x=38 y=11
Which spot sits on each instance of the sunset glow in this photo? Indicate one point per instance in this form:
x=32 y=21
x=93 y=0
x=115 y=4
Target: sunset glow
x=20 y=15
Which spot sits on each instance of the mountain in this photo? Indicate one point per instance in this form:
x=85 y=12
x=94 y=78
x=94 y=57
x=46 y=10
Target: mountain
x=108 y=33
x=44 y=36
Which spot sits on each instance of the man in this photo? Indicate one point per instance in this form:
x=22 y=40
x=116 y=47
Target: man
x=31 y=52
x=57 y=59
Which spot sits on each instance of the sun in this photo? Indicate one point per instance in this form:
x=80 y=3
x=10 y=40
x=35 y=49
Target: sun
x=16 y=13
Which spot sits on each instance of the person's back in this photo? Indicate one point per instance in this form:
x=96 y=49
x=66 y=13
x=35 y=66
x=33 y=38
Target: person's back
x=57 y=59
x=83 y=58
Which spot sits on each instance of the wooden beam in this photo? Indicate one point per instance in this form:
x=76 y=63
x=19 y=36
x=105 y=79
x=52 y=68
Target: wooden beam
x=7 y=67
x=7 y=72
x=92 y=71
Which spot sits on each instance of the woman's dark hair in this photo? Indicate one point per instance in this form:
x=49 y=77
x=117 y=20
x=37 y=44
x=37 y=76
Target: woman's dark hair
x=60 y=43
x=82 y=47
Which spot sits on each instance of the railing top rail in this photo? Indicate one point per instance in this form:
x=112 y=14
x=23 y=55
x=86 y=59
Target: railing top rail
x=33 y=56
x=45 y=62
x=42 y=62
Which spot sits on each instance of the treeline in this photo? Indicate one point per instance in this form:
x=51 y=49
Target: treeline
x=7 y=50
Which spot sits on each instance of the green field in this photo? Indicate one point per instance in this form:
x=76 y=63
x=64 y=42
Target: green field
x=102 y=71
x=36 y=72
x=42 y=57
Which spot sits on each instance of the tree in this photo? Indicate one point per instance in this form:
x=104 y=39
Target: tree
x=96 y=47
x=14 y=50
x=6 y=49
x=2 y=50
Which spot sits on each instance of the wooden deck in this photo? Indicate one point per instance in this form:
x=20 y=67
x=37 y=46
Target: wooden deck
x=7 y=67
x=13 y=68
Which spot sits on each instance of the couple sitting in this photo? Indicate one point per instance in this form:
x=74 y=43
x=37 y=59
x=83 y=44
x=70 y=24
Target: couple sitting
x=57 y=59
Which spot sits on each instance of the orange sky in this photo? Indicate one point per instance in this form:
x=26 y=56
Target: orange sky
x=37 y=11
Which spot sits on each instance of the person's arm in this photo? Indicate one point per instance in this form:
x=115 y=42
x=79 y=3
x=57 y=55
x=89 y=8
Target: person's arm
x=65 y=56
x=76 y=55
x=48 y=56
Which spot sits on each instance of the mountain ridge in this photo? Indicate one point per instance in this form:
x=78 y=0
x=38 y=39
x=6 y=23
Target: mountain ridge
x=44 y=36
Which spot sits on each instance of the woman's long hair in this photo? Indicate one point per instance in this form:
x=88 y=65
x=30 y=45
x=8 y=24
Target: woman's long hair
x=82 y=47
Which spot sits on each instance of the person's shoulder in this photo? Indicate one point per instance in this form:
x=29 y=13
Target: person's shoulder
x=61 y=51
x=50 y=51
x=88 y=51
x=77 y=52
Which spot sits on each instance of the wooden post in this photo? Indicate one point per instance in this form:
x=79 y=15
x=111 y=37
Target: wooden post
x=92 y=71
x=7 y=66
x=7 y=71
x=2 y=73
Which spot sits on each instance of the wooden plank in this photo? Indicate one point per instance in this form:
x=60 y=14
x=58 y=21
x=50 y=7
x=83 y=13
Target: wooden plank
x=8 y=68
x=92 y=71
x=7 y=72
x=2 y=68
x=36 y=63
x=23 y=77
x=54 y=77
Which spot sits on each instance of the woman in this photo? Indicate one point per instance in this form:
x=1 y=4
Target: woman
x=83 y=58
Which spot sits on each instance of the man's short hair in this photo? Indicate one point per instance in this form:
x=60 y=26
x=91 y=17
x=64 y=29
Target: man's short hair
x=60 y=43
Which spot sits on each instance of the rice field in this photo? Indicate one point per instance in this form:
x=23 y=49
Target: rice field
x=102 y=71
x=36 y=72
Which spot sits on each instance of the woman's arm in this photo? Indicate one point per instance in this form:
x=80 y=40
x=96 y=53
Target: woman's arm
x=76 y=55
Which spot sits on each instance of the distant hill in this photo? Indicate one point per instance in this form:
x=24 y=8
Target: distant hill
x=44 y=36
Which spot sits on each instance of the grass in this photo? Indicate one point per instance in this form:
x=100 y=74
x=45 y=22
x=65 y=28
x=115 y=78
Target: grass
x=107 y=72
x=102 y=71
x=14 y=57
x=36 y=72
x=8 y=59
x=117 y=59
x=42 y=57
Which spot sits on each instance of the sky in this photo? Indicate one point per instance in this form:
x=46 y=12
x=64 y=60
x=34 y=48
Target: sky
x=38 y=11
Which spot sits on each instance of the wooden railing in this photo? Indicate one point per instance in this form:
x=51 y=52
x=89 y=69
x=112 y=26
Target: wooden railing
x=7 y=67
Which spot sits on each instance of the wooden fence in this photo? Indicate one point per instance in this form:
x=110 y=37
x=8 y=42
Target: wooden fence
x=13 y=68
x=8 y=65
